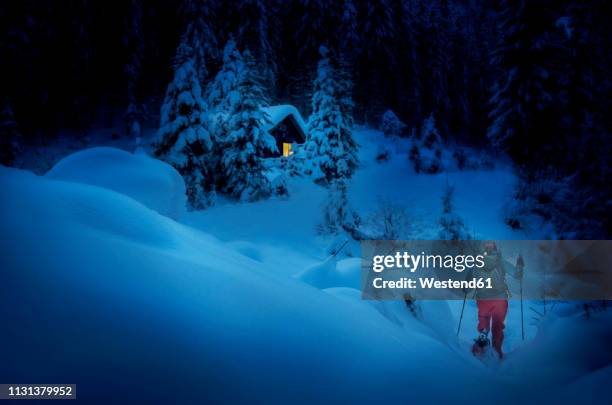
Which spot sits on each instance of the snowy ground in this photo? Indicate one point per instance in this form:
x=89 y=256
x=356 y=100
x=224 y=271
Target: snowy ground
x=242 y=301
x=282 y=233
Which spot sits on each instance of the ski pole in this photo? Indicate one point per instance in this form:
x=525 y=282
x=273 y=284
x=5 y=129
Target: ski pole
x=521 y=265
x=461 y=317
x=339 y=249
x=522 y=318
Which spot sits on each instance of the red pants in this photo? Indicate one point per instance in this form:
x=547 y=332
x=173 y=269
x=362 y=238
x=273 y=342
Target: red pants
x=491 y=317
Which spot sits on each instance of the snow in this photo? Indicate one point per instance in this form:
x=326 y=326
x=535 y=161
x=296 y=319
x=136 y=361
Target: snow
x=278 y=113
x=242 y=302
x=479 y=194
x=282 y=229
x=116 y=290
x=149 y=181
x=334 y=273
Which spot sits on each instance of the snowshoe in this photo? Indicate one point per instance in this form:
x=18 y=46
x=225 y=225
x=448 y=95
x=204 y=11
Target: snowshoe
x=481 y=343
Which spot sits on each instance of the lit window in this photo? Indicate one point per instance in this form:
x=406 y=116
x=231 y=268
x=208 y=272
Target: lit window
x=287 y=149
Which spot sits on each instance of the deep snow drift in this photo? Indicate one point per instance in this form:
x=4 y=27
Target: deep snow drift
x=101 y=290
x=150 y=181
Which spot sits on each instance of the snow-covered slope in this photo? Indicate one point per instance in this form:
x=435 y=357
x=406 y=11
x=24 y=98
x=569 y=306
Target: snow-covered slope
x=101 y=290
x=479 y=195
x=152 y=182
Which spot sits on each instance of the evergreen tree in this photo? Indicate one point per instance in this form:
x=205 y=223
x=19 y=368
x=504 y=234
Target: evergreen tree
x=411 y=40
x=432 y=53
x=391 y=125
x=247 y=141
x=425 y=153
x=199 y=15
x=414 y=155
x=379 y=29
x=134 y=43
x=441 y=69
x=430 y=137
x=83 y=104
x=433 y=50
x=526 y=99
x=221 y=94
x=348 y=36
x=182 y=139
x=586 y=124
x=313 y=28
x=451 y=223
x=472 y=47
x=330 y=147
x=254 y=33
x=337 y=213
x=226 y=80
x=546 y=113
x=345 y=90
x=379 y=34
x=316 y=22
x=9 y=135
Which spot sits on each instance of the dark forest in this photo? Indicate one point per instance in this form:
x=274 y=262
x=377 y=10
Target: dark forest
x=528 y=79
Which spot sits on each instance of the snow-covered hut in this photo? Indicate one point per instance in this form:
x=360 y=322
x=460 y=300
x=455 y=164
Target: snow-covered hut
x=287 y=127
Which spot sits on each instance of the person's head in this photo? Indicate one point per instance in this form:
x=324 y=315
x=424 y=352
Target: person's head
x=490 y=247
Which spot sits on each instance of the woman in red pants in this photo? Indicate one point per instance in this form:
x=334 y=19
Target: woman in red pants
x=493 y=302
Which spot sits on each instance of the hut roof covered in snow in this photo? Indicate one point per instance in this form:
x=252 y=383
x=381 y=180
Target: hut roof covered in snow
x=287 y=127
x=285 y=113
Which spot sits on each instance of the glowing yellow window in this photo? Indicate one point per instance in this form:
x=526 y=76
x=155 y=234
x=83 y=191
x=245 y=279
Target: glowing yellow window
x=287 y=149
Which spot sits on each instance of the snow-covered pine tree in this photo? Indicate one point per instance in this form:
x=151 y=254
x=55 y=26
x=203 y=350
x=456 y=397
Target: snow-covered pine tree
x=430 y=136
x=247 y=141
x=452 y=225
x=9 y=135
x=414 y=155
x=330 y=148
x=182 y=139
x=220 y=89
x=391 y=125
x=345 y=89
x=337 y=213
x=425 y=153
